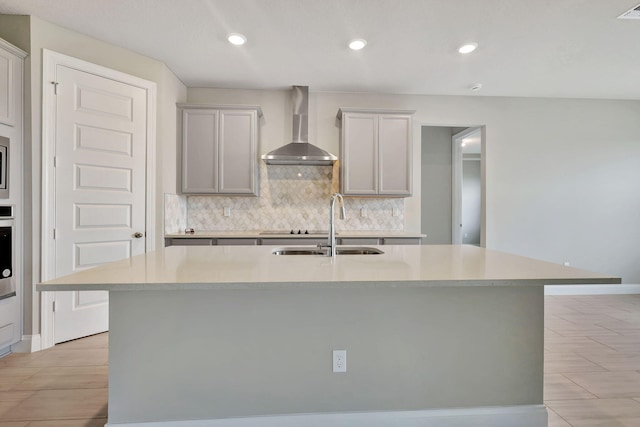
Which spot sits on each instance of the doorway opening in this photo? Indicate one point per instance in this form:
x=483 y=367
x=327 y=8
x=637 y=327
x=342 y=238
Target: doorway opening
x=452 y=187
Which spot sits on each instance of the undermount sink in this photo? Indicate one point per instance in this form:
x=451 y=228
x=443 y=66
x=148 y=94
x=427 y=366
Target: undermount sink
x=350 y=250
x=358 y=251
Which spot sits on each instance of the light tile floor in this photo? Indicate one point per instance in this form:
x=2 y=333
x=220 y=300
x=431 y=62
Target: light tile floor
x=65 y=386
x=592 y=371
x=592 y=360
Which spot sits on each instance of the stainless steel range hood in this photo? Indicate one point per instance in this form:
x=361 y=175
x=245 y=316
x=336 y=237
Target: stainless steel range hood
x=300 y=152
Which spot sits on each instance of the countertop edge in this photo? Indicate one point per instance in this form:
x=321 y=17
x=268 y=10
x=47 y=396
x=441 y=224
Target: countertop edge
x=255 y=267
x=322 y=285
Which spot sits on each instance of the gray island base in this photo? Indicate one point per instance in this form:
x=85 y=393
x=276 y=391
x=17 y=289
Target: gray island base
x=447 y=336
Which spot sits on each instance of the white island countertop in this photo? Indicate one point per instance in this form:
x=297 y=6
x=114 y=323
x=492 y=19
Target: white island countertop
x=255 y=267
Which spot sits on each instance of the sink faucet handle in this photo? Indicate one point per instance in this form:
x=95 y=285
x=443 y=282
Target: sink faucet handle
x=339 y=197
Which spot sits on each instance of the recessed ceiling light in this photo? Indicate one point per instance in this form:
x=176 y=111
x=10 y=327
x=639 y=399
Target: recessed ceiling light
x=237 y=39
x=631 y=14
x=467 y=47
x=357 y=44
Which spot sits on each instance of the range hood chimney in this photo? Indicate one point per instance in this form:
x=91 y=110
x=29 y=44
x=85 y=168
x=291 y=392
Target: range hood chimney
x=299 y=151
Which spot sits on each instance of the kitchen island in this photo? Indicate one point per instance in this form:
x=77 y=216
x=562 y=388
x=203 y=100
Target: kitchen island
x=237 y=336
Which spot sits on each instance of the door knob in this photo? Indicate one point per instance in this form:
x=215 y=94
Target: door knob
x=138 y=235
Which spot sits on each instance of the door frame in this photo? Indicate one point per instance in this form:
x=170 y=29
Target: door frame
x=50 y=60
x=456 y=181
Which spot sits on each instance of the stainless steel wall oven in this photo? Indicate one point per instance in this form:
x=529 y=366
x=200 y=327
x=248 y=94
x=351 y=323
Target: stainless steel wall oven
x=7 y=255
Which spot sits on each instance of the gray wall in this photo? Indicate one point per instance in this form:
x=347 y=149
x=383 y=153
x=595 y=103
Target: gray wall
x=561 y=175
x=435 y=195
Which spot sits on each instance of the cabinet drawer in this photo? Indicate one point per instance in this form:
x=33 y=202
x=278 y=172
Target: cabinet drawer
x=402 y=241
x=357 y=241
x=189 y=242
x=6 y=335
x=295 y=241
x=237 y=242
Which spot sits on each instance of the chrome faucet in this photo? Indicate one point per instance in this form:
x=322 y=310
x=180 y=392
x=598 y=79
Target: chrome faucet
x=331 y=244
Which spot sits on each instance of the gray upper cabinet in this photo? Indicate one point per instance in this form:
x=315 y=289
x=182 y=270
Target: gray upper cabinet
x=11 y=64
x=219 y=149
x=376 y=152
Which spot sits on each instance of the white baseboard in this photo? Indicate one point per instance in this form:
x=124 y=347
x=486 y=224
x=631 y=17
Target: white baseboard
x=28 y=344
x=508 y=416
x=591 y=289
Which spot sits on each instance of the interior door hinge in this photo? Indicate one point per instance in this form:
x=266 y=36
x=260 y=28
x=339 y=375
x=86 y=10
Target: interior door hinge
x=54 y=306
x=54 y=234
x=55 y=162
x=55 y=87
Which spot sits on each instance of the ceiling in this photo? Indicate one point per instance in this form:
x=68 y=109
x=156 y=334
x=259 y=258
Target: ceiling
x=532 y=48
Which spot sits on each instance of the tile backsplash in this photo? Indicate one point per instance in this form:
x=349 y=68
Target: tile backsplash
x=291 y=197
x=175 y=213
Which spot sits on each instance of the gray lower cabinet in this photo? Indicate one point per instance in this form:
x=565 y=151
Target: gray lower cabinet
x=206 y=241
x=190 y=241
x=401 y=241
x=376 y=152
x=358 y=241
x=278 y=241
x=237 y=242
x=219 y=149
x=293 y=241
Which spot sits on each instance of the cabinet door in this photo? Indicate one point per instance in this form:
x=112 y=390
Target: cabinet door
x=10 y=83
x=359 y=152
x=237 y=152
x=395 y=147
x=200 y=151
x=6 y=103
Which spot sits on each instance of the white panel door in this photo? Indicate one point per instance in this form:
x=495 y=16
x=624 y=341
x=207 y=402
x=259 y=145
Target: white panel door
x=100 y=169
